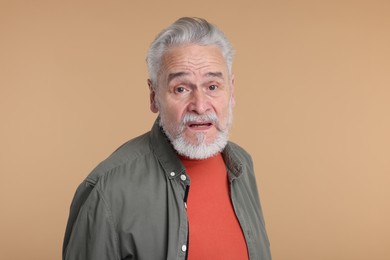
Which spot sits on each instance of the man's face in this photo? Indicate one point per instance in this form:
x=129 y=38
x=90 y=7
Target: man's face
x=194 y=95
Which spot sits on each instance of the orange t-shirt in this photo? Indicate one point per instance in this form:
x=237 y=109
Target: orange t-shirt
x=214 y=230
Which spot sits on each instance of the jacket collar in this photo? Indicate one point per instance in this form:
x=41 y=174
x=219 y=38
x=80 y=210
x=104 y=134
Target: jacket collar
x=165 y=152
x=232 y=161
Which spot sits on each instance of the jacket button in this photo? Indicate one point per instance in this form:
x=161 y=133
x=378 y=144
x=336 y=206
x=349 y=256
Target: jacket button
x=183 y=177
x=172 y=174
x=183 y=248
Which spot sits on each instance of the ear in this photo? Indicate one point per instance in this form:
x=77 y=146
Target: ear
x=152 y=97
x=232 y=91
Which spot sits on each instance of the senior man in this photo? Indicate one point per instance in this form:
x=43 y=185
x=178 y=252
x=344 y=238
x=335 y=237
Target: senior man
x=182 y=190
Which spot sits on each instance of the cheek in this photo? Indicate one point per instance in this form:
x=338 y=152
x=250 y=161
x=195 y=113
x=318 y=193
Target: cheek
x=224 y=115
x=223 y=109
x=175 y=113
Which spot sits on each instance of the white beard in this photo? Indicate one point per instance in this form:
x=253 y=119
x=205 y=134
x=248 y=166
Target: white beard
x=200 y=150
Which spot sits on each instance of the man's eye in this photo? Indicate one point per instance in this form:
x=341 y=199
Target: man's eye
x=213 y=87
x=180 y=90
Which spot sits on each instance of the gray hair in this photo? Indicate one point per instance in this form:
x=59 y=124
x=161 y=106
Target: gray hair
x=187 y=30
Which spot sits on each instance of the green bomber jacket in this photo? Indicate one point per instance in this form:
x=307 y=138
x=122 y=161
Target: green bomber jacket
x=133 y=204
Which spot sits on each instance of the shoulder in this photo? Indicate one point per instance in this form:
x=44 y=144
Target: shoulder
x=131 y=151
x=238 y=153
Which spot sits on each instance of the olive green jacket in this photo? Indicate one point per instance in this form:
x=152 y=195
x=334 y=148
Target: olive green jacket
x=133 y=204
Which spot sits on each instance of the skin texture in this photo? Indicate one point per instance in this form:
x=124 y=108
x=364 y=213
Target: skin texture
x=194 y=80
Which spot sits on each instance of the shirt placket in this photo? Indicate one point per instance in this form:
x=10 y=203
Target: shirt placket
x=182 y=182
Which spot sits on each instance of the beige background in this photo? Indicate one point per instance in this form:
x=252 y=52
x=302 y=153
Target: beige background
x=312 y=90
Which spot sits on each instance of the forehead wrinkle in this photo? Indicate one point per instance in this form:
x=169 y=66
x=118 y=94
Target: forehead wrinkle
x=176 y=75
x=181 y=65
x=200 y=61
x=208 y=66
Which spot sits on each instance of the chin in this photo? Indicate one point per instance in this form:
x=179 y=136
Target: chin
x=200 y=149
x=199 y=139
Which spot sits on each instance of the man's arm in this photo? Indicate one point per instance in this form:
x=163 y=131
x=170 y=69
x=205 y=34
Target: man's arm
x=90 y=232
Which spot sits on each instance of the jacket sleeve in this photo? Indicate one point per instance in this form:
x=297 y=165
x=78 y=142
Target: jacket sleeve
x=90 y=233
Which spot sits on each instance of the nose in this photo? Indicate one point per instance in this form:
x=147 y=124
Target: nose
x=199 y=103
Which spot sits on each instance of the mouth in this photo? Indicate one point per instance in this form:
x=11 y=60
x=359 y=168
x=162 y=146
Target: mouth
x=199 y=125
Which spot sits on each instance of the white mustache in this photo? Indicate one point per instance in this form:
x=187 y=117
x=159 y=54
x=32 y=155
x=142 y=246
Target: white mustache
x=190 y=117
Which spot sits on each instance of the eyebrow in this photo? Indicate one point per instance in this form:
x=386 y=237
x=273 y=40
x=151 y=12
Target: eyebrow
x=214 y=75
x=173 y=76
